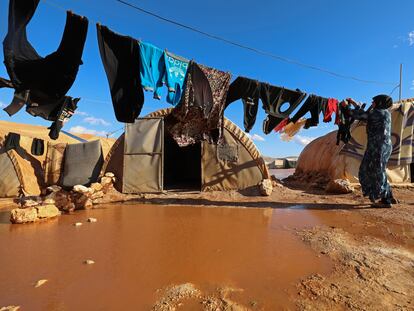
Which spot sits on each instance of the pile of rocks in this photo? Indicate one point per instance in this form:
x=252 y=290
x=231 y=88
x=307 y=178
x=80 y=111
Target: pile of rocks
x=35 y=208
x=81 y=197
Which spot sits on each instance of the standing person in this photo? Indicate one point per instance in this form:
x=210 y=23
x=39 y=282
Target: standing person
x=372 y=175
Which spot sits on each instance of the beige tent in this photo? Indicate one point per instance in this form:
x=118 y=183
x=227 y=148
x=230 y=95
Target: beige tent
x=23 y=173
x=323 y=155
x=146 y=160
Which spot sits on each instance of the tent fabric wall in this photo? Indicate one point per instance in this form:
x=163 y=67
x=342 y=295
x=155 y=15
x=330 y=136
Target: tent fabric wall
x=9 y=182
x=28 y=169
x=53 y=165
x=322 y=155
x=217 y=174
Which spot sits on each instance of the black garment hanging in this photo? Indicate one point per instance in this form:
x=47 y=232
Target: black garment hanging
x=313 y=104
x=249 y=91
x=66 y=111
x=273 y=98
x=38 y=147
x=12 y=142
x=40 y=80
x=121 y=60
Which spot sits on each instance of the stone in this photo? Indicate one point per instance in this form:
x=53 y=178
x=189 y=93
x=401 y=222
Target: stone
x=28 y=203
x=40 y=283
x=54 y=188
x=47 y=211
x=70 y=207
x=10 y=308
x=89 y=262
x=96 y=186
x=97 y=195
x=106 y=181
x=339 y=186
x=109 y=174
x=77 y=224
x=21 y=216
x=91 y=219
x=48 y=201
x=88 y=204
x=81 y=189
x=266 y=187
x=97 y=201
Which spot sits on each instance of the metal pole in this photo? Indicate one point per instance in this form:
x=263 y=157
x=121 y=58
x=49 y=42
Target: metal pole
x=401 y=68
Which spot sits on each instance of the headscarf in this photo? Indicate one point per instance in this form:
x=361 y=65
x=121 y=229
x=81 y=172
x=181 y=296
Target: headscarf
x=382 y=101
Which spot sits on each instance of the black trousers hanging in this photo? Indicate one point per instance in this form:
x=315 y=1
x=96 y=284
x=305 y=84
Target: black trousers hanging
x=121 y=59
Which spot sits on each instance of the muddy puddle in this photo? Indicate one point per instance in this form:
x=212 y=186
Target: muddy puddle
x=139 y=250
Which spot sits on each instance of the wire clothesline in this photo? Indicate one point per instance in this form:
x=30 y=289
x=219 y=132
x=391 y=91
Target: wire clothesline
x=227 y=41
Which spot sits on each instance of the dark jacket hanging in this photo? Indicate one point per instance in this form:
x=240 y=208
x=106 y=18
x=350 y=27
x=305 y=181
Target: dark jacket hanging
x=273 y=98
x=41 y=81
x=248 y=91
x=121 y=59
x=313 y=104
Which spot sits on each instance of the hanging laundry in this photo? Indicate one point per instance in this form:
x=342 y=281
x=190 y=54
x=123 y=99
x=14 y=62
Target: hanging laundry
x=345 y=122
x=281 y=125
x=331 y=107
x=273 y=98
x=38 y=147
x=5 y=83
x=291 y=129
x=66 y=111
x=152 y=68
x=199 y=114
x=176 y=70
x=248 y=91
x=313 y=104
x=41 y=80
x=121 y=59
x=12 y=142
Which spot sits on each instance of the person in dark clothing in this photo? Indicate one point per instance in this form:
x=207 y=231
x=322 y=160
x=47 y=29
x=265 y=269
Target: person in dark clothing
x=372 y=172
x=121 y=59
x=41 y=81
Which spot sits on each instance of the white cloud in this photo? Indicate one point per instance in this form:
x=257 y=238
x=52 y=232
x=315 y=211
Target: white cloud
x=256 y=137
x=395 y=46
x=83 y=130
x=411 y=38
x=96 y=121
x=2 y=105
x=81 y=113
x=302 y=140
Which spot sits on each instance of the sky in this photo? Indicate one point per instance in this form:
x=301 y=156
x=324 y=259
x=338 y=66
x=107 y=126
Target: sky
x=353 y=38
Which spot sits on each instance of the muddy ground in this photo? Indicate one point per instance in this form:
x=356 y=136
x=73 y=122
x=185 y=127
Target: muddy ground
x=371 y=250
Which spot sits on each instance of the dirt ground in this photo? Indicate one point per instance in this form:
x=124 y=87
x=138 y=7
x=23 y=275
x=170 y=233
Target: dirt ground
x=372 y=250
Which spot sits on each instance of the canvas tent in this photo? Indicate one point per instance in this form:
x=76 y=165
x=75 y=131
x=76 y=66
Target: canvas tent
x=146 y=159
x=283 y=163
x=323 y=155
x=20 y=171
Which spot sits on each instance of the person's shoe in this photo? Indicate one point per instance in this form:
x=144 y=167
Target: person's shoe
x=383 y=203
x=394 y=201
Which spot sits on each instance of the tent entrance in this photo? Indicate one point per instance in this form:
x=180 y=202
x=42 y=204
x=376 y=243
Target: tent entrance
x=182 y=166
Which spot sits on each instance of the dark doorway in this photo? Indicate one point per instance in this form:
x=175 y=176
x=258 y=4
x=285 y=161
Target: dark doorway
x=412 y=172
x=182 y=166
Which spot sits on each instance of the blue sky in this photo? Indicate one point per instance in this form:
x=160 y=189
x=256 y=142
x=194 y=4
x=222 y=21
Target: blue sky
x=357 y=38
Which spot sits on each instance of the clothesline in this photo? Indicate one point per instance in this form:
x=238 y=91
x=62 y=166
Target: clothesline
x=265 y=53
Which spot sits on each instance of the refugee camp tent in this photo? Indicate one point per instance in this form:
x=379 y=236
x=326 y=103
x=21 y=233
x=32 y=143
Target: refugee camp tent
x=323 y=155
x=150 y=155
x=283 y=163
x=24 y=173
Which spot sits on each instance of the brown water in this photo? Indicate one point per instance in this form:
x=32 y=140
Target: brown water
x=138 y=249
